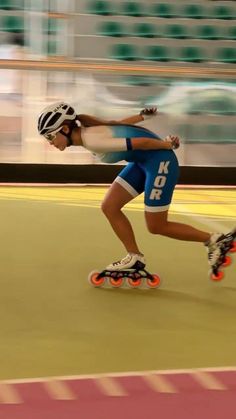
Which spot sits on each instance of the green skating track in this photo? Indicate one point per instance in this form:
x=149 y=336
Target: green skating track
x=53 y=322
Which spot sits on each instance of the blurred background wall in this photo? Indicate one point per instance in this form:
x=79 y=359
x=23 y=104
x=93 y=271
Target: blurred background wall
x=179 y=56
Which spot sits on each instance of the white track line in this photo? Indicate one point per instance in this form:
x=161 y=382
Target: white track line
x=119 y=374
x=208 y=381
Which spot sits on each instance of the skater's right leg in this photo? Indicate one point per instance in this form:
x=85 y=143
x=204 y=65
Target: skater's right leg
x=115 y=199
x=128 y=185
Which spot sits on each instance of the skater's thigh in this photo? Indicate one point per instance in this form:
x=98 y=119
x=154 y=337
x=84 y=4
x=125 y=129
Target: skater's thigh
x=162 y=172
x=156 y=221
x=127 y=185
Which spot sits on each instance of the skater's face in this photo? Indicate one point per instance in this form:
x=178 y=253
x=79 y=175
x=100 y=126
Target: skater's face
x=59 y=141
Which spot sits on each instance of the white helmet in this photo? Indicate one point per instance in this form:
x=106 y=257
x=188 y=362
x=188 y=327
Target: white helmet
x=53 y=116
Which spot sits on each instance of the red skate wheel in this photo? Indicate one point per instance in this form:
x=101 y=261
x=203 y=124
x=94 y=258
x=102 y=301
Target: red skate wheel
x=155 y=282
x=94 y=280
x=217 y=277
x=116 y=283
x=233 y=248
x=134 y=283
x=227 y=261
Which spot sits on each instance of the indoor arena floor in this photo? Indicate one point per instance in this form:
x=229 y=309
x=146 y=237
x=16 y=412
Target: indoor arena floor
x=54 y=324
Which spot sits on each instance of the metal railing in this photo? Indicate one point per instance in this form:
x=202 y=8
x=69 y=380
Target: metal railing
x=158 y=70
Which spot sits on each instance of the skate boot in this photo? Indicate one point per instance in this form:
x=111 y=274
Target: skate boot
x=131 y=261
x=218 y=247
x=128 y=271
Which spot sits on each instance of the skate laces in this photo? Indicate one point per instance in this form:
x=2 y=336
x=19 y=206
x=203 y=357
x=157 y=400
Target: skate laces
x=218 y=245
x=215 y=246
x=123 y=261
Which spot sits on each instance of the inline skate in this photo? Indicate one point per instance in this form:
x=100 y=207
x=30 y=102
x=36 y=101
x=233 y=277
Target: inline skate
x=218 y=249
x=135 y=277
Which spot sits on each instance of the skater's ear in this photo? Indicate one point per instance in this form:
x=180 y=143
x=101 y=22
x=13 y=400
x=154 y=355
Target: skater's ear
x=65 y=129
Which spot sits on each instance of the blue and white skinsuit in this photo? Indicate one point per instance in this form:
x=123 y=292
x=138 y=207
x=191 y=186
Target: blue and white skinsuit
x=154 y=172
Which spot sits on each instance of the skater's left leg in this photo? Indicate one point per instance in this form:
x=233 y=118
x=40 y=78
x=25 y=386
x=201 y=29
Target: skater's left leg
x=158 y=223
x=161 y=177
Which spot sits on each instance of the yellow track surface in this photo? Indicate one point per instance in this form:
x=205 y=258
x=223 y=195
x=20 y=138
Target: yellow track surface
x=54 y=323
x=219 y=203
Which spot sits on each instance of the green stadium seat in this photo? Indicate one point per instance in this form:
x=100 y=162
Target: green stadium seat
x=197 y=134
x=193 y=133
x=191 y=54
x=51 y=26
x=230 y=33
x=145 y=30
x=217 y=105
x=222 y=12
x=52 y=48
x=193 y=11
x=20 y=5
x=11 y=4
x=13 y=24
x=6 y=5
x=131 y=8
x=165 y=10
x=226 y=55
x=207 y=32
x=184 y=131
x=37 y=5
x=220 y=134
x=147 y=81
x=100 y=7
x=157 y=53
x=140 y=80
x=221 y=106
x=213 y=133
x=176 y=31
x=230 y=133
x=226 y=106
x=126 y=52
x=115 y=29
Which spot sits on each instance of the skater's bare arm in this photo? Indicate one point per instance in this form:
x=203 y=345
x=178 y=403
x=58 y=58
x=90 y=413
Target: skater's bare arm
x=143 y=143
x=132 y=119
x=92 y=121
x=144 y=114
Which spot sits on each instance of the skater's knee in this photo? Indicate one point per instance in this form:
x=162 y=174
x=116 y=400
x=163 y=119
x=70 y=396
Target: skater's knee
x=105 y=207
x=108 y=208
x=157 y=222
x=157 y=228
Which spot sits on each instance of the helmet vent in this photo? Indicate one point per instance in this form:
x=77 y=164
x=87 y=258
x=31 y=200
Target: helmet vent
x=43 y=120
x=54 y=119
x=70 y=111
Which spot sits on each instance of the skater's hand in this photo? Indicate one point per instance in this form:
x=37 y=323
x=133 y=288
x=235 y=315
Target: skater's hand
x=174 y=140
x=148 y=113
